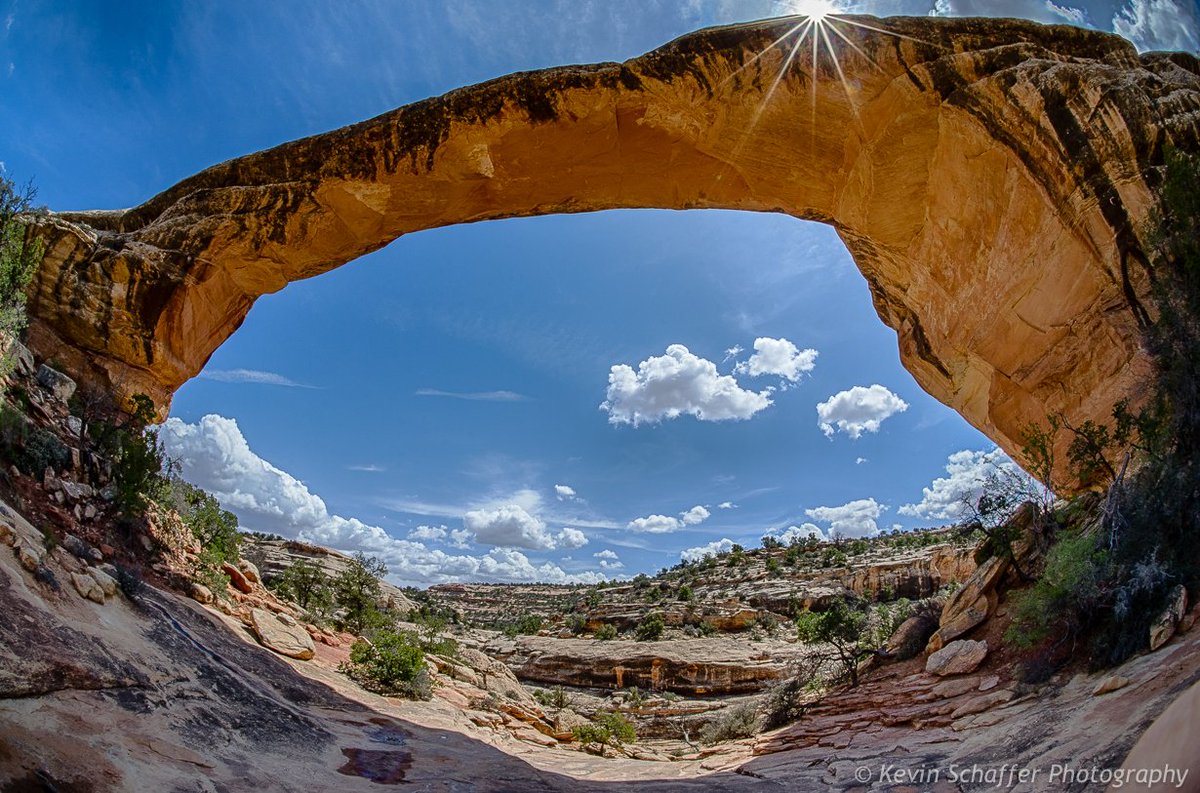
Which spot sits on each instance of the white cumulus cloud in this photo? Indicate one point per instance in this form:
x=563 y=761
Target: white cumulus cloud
x=664 y=524
x=853 y=519
x=793 y=533
x=778 y=357
x=428 y=534
x=214 y=455
x=510 y=526
x=566 y=493
x=859 y=409
x=609 y=560
x=967 y=475
x=674 y=384
x=710 y=549
x=727 y=505
x=655 y=524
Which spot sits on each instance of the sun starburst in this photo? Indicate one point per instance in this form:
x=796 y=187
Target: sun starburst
x=816 y=19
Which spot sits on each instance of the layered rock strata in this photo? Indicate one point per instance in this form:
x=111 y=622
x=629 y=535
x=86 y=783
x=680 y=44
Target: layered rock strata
x=991 y=178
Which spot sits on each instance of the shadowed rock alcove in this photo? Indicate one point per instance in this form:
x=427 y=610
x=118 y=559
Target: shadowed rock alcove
x=993 y=180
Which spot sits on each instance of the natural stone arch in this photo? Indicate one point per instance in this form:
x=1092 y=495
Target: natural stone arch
x=989 y=177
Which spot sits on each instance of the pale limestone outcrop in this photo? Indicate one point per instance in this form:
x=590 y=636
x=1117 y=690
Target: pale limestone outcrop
x=992 y=179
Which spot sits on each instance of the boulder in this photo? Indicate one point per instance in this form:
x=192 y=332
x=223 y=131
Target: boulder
x=970 y=604
x=201 y=593
x=86 y=586
x=249 y=571
x=56 y=383
x=961 y=621
x=275 y=634
x=30 y=556
x=957 y=658
x=237 y=578
x=106 y=582
x=1110 y=684
x=565 y=721
x=1164 y=627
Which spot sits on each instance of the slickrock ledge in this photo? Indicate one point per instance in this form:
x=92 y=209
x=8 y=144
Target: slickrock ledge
x=992 y=179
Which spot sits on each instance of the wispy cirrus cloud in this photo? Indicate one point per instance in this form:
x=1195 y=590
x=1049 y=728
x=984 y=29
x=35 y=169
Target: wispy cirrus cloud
x=256 y=376
x=368 y=469
x=476 y=396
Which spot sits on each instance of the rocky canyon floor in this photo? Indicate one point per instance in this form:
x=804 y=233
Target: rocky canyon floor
x=163 y=693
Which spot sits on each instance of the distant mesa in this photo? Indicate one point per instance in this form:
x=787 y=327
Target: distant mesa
x=992 y=179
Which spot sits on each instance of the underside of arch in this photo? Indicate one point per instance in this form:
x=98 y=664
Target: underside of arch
x=992 y=179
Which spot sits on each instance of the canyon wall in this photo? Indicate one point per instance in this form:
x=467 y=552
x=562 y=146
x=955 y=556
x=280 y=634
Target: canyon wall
x=993 y=180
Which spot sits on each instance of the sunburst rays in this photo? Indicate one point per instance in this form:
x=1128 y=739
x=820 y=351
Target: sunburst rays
x=817 y=20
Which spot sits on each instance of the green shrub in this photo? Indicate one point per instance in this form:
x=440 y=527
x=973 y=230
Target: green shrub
x=19 y=258
x=843 y=627
x=208 y=572
x=650 y=628
x=1065 y=597
x=736 y=721
x=786 y=702
x=556 y=698
x=528 y=625
x=606 y=729
x=306 y=585
x=576 y=623
x=391 y=663
x=685 y=594
x=356 y=591
x=29 y=447
x=605 y=632
x=214 y=528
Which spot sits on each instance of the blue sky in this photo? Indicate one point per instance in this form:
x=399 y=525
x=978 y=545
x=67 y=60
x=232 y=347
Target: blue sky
x=438 y=403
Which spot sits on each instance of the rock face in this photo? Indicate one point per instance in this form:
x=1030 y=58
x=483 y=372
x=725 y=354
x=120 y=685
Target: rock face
x=990 y=177
x=275 y=556
x=696 y=666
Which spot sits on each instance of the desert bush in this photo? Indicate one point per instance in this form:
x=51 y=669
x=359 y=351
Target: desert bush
x=306 y=585
x=556 y=698
x=650 y=628
x=29 y=447
x=527 y=625
x=736 y=721
x=391 y=663
x=208 y=572
x=786 y=702
x=606 y=729
x=843 y=627
x=216 y=529
x=605 y=632
x=19 y=256
x=356 y=591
